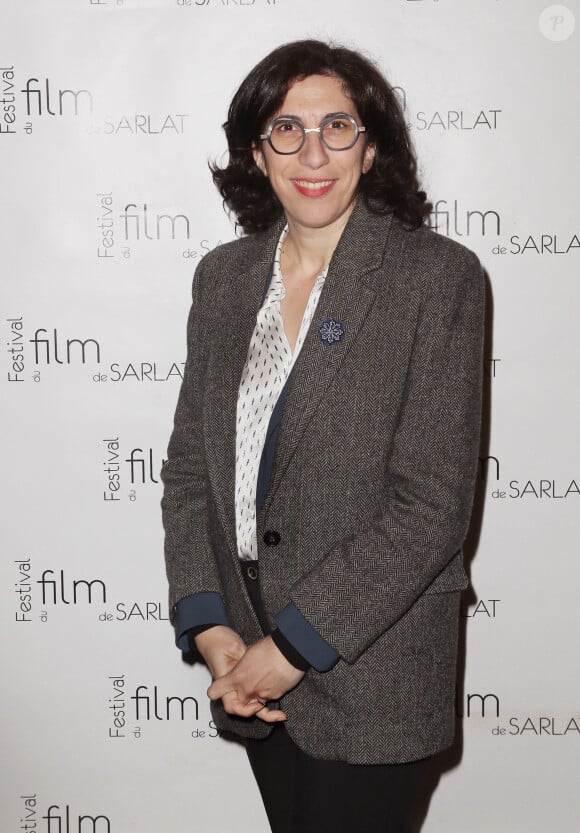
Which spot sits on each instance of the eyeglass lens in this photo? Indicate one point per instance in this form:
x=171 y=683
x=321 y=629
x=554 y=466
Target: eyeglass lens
x=288 y=134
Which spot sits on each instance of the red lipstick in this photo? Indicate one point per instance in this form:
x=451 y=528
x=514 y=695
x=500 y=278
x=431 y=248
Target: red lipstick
x=313 y=187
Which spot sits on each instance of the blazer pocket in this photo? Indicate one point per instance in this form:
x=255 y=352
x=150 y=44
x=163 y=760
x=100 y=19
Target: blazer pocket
x=453 y=577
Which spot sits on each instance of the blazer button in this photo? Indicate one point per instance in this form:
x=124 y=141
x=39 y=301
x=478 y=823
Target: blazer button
x=271 y=538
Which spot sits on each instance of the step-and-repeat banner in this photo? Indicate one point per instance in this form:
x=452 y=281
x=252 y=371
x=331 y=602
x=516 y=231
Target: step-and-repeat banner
x=109 y=112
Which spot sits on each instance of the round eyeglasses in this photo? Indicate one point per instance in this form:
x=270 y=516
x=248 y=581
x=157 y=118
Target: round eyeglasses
x=337 y=131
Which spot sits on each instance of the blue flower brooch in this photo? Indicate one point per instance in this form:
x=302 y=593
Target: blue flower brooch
x=331 y=330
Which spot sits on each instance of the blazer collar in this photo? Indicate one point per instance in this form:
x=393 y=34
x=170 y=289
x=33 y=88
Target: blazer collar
x=361 y=247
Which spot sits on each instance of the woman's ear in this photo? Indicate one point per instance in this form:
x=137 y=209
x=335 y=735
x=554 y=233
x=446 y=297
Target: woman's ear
x=369 y=157
x=259 y=159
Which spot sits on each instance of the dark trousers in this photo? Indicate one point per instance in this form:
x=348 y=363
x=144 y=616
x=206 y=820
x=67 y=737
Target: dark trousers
x=302 y=794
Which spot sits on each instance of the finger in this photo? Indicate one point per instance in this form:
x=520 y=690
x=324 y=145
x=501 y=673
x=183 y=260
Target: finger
x=221 y=686
x=271 y=715
x=254 y=707
x=233 y=705
x=229 y=702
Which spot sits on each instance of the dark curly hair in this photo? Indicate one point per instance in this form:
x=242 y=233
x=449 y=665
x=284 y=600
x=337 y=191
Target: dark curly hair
x=391 y=184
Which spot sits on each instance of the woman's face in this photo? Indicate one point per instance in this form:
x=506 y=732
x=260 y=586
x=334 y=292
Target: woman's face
x=316 y=186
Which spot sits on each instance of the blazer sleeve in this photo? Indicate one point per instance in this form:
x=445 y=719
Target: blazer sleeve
x=189 y=558
x=365 y=583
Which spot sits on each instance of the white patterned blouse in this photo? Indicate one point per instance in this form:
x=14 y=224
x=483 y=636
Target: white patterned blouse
x=268 y=364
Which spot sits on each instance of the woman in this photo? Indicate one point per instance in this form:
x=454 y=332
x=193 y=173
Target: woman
x=321 y=471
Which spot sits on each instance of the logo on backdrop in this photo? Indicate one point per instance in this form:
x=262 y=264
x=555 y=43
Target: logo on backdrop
x=7 y=100
x=60 y=588
x=42 y=100
x=42 y=97
x=50 y=347
x=51 y=350
x=452 y=219
x=537 y=488
x=126 y=471
x=139 y=226
x=481 y=609
x=484 y=711
x=49 y=593
x=59 y=818
x=478 y=705
x=140 y=124
x=134 y=709
x=462 y=119
x=539 y=243
x=136 y=371
x=39 y=98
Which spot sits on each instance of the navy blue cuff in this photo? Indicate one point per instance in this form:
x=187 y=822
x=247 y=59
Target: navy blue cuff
x=289 y=651
x=193 y=632
x=308 y=642
x=198 y=609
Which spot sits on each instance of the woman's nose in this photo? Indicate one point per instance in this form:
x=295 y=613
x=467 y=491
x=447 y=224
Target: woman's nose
x=313 y=154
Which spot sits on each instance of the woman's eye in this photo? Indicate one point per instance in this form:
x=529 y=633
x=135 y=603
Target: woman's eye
x=338 y=124
x=286 y=127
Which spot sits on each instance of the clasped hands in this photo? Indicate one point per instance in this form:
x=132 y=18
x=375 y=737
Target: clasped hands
x=246 y=677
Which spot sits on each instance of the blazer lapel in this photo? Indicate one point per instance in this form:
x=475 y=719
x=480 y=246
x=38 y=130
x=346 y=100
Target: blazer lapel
x=345 y=296
x=239 y=301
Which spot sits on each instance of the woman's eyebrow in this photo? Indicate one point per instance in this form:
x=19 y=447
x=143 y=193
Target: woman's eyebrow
x=326 y=116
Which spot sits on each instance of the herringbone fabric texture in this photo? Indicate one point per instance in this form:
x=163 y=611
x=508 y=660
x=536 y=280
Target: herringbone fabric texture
x=371 y=489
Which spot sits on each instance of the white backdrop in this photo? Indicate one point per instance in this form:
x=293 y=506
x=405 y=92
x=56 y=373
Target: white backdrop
x=108 y=114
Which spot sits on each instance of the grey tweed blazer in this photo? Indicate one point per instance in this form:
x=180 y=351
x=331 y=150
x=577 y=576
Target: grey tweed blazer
x=371 y=489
